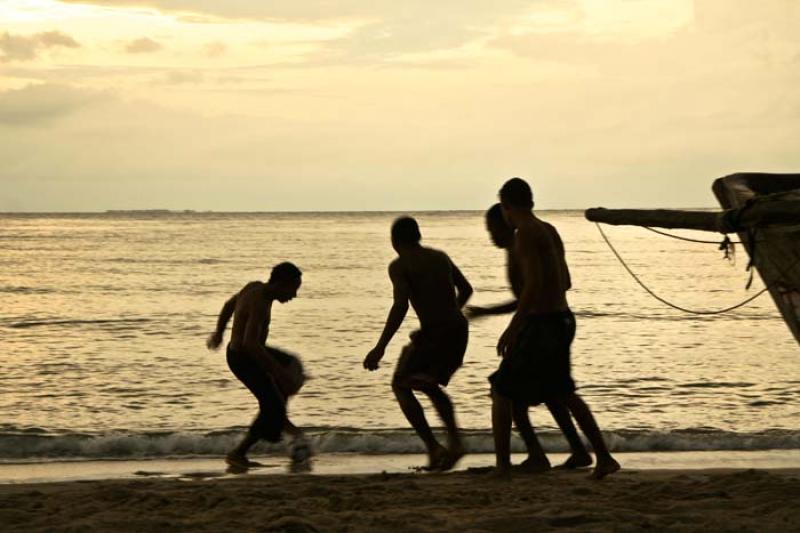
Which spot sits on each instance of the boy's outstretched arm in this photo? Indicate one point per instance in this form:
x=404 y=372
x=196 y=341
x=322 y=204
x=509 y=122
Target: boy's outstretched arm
x=396 y=315
x=463 y=287
x=215 y=339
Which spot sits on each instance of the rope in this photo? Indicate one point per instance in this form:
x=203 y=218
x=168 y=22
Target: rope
x=670 y=304
x=687 y=239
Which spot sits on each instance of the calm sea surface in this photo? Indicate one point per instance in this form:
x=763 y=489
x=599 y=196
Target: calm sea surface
x=104 y=320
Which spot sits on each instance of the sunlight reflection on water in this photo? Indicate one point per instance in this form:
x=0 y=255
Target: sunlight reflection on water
x=105 y=317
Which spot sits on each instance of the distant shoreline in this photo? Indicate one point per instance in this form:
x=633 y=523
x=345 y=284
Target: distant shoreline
x=166 y=212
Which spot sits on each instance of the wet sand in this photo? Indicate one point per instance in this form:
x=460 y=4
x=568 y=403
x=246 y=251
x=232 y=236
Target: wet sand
x=679 y=500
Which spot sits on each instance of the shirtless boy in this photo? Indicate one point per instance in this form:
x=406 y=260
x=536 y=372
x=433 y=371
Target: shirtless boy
x=535 y=346
x=437 y=290
x=272 y=376
x=502 y=235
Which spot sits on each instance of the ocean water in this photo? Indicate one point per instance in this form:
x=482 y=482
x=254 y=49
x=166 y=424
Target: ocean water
x=104 y=319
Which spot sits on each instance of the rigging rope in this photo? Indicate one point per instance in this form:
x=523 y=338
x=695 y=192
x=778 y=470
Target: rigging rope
x=666 y=302
x=726 y=245
x=687 y=239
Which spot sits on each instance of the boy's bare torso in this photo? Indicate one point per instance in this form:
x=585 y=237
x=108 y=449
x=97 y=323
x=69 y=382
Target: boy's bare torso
x=429 y=277
x=250 y=303
x=537 y=258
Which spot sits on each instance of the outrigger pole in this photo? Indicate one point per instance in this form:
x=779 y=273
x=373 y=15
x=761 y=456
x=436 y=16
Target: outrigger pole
x=764 y=209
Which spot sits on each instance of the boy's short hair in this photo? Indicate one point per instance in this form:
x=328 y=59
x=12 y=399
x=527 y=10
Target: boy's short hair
x=285 y=271
x=405 y=230
x=517 y=193
x=494 y=215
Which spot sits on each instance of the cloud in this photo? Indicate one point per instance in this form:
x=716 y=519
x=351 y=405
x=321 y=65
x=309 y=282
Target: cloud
x=27 y=48
x=717 y=41
x=382 y=28
x=140 y=76
x=776 y=18
x=38 y=104
x=143 y=45
x=320 y=10
x=181 y=77
x=215 y=49
x=56 y=38
x=581 y=143
x=387 y=39
x=597 y=112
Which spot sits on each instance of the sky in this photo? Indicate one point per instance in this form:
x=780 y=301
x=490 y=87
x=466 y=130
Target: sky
x=309 y=105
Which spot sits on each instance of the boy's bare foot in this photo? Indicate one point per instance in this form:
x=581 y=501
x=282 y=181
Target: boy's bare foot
x=605 y=466
x=239 y=461
x=575 y=461
x=451 y=459
x=534 y=466
x=300 y=450
x=436 y=458
x=299 y=468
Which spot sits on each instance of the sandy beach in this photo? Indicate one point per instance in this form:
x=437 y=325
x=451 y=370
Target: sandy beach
x=266 y=265
x=679 y=500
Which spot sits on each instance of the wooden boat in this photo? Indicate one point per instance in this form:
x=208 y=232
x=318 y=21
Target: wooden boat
x=763 y=209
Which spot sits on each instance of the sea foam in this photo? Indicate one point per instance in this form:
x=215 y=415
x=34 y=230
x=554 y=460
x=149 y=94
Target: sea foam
x=32 y=445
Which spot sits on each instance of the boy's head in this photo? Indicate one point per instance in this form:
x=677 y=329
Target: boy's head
x=501 y=233
x=516 y=194
x=285 y=280
x=405 y=233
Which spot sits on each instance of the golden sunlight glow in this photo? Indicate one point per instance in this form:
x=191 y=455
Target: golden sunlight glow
x=579 y=92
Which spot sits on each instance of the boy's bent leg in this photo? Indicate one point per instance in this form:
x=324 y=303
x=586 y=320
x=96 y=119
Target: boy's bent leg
x=292 y=430
x=579 y=457
x=583 y=416
x=416 y=417
x=444 y=406
x=501 y=430
x=238 y=456
x=537 y=460
x=271 y=417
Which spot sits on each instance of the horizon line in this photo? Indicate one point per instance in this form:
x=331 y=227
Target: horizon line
x=331 y=211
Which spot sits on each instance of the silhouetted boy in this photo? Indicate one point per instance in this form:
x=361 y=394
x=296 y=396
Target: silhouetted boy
x=535 y=346
x=271 y=375
x=437 y=290
x=502 y=236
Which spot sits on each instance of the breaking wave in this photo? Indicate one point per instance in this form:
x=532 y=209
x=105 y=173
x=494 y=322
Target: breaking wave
x=33 y=444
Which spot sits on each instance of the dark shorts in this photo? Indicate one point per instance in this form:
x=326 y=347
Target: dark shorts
x=435 y=352
x=271 y=417
x=538 y=367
